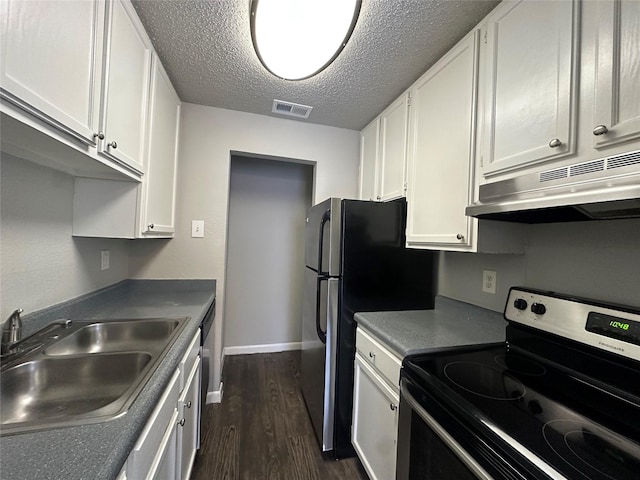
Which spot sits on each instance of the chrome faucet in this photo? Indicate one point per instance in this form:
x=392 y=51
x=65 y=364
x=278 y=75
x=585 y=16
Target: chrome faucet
x=11 y=331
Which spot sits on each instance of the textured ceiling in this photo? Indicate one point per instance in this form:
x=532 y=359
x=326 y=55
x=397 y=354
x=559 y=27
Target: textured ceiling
x=206 y=48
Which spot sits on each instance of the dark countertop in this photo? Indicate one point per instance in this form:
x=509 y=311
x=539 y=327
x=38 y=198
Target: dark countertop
x=99 y=451
x=450 y=323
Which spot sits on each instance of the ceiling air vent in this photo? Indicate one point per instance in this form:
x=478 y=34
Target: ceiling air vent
x=291 y=109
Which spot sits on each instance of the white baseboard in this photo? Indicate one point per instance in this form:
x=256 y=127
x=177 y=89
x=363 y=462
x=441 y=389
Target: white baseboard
x=268 y=348
x=216 y=396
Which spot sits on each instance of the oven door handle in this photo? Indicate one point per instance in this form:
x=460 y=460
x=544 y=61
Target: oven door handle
x=464 y=457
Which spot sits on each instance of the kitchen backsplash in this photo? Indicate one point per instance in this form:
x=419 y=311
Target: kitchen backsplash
x=599 y=260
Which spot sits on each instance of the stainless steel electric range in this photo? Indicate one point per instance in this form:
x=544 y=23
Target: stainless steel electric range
x=560 y=399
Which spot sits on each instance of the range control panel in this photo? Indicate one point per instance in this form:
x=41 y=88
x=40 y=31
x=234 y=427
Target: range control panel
x=608 y=327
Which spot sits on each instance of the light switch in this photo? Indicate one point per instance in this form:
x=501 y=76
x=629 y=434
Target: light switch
x=197 y=228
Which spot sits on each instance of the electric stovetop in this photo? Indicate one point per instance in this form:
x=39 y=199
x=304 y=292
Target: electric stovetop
x=570 y=409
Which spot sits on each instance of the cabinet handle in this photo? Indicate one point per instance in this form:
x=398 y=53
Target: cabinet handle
x=378 y=197
x=188 y=404
x=600 y=130
x=555 y=143
x=99 y=135
x=113 y=145
x=460 y=236
x=181 y=422
x=393 y=407
x=151 y=225
x=372 y=355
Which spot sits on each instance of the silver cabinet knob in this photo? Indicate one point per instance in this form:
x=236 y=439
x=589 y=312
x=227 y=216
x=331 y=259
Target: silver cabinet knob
x=372 y=355
x=378 y=197
x=182 y=422
x=555 y=143
x=188 y=404
x=99 y=135
x=460 y=236
x=393 y=407
x=113 y=145
x=151 y=225
x=600 y=130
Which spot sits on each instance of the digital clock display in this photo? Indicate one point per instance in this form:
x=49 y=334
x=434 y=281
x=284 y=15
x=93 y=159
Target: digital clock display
x=614 y=327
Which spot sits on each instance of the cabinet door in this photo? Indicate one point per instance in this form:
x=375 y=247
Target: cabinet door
x=164 y=465
x=126 y=90
x=393 y=149
x=530 y=104
x=369 y=151
x=50 y=62
x=617 y=83
x=189 y=405
x=375 y=422
x=441 y=159
x=159 y=182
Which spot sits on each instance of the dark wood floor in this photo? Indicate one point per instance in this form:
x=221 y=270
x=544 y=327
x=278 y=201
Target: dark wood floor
x=261 y=430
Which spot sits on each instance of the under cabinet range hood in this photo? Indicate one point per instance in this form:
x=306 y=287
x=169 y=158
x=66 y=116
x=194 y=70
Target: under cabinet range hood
x=603 y=189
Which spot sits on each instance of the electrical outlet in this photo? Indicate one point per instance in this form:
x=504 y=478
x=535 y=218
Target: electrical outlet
x=104 y=259
x=489 y=279
x=197 y=228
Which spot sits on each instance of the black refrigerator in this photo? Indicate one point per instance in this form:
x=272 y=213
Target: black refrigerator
x=356 y=261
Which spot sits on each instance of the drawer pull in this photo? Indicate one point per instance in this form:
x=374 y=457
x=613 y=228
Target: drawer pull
x=188 y=404
x=372 y=355
x=182 y=422
x=393 y=407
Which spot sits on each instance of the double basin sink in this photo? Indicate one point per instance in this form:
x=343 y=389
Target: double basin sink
x=79 y=372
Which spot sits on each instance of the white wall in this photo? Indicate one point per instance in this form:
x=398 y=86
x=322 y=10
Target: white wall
x=208 y=136
x=268 y=201
x=41 y=264
x=599 y=260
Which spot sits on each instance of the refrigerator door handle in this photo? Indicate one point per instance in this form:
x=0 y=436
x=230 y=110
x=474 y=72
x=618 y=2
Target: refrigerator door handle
x=322 y=335
x=325 y=219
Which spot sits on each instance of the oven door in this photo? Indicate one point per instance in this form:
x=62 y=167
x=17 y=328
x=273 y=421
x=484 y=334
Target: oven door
x=434 y=445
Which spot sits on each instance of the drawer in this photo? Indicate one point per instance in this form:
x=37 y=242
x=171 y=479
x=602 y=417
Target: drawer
x=380 y=357
x=145 y=450
x=189 y=359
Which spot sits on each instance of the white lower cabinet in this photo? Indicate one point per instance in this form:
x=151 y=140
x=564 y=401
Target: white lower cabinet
x=156 y=438
x=189 y=406
x=376 y=394
x=166 y=448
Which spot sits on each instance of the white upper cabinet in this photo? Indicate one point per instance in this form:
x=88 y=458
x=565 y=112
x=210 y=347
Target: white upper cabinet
x=441 y=157
x=369 y=154
x=616 y=116
x=50 y=62
x=393 y=149
x=126 y=89
x=529 y=53
x=123 y=209
x=159 y=182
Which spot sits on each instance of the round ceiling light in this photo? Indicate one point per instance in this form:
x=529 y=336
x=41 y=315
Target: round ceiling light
x=296 y=39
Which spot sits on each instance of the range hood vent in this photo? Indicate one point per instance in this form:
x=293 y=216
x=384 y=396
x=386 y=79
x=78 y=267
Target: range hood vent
x=291 y=109
x=602 y=189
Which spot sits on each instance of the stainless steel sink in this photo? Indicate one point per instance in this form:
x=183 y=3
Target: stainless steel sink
x=78 y=372
x=115 y=337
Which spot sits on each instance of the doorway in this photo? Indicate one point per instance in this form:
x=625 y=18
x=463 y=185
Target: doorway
x=268 y=200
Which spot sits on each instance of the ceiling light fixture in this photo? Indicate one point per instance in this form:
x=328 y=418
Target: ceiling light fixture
x=296 y=39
